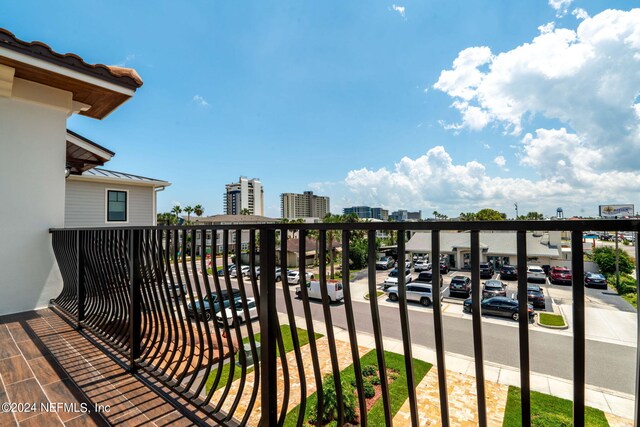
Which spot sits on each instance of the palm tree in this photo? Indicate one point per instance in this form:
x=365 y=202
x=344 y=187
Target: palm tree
x=189 y=211
x=177 y=210
x=333 y=235
x=198 y=210
x=245 y=211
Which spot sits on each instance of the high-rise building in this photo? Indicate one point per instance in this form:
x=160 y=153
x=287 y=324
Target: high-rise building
x=367 y=212
x=305 y=205
x=245 y=194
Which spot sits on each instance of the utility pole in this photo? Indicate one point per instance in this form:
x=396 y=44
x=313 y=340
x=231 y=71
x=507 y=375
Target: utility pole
x=516 y=205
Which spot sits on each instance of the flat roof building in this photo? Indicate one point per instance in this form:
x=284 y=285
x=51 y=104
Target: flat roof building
x=305 y=205
x=244 y=194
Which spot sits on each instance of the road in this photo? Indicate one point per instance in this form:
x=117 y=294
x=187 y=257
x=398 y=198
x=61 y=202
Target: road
x=609 y=365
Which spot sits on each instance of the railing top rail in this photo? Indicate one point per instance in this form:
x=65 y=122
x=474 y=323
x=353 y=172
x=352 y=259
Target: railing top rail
x=508 y=225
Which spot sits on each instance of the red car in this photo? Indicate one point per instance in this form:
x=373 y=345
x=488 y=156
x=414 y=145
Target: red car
x=560 y=275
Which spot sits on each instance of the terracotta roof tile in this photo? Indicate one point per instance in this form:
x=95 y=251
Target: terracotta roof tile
x=127 y=77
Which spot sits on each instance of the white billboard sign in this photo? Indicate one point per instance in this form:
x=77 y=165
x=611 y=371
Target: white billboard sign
x=611 y=211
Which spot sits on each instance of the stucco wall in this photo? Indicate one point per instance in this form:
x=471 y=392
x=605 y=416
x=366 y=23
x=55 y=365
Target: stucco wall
x=86 y=206
x=32 y=143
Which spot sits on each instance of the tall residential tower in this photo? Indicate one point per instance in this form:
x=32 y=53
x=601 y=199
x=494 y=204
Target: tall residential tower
x=306 y=205
x=245 y=194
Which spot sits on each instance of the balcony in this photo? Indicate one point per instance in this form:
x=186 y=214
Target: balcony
x=126 y=340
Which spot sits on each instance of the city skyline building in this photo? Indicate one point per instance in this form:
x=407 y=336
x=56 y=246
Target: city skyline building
x=305 y=205
x=244 y=194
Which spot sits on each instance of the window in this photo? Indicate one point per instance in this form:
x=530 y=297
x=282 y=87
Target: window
x=116 y=206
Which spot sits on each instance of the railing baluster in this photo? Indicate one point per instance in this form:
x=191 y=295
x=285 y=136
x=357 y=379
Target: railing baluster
x=636 y=408
x=406 y=331
x=80 y=276
x=351 y=326
x=523 y=328
x=438 y=329
x=268 y=326
x=477 y=326
x=326 y=308
x=377 y=330
x=577 y=265
x=135 y=298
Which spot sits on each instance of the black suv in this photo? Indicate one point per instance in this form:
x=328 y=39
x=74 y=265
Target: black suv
x=486 y=270
x=509 y=272
x=460 y=285
x=427 y=277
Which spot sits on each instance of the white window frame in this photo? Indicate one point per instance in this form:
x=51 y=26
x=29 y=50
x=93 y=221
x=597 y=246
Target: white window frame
x=106 y=206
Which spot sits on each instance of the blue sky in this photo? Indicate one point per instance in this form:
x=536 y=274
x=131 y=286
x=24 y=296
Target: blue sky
x=363 y=102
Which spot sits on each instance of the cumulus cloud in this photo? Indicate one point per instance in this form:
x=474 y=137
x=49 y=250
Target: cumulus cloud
x=199 y=100
x=586 y=79
x=399 y=9
x=500 y=161
x=580 y=13
x=560 y=6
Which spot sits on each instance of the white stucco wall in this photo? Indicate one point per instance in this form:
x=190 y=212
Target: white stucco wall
x=32 y=160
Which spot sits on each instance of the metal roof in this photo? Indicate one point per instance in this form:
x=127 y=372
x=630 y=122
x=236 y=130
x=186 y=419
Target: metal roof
x=105 y=174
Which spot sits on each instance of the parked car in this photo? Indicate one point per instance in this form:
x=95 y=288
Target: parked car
x=334 y=290
x=499 y=306
x=407 y=265
x=560 y=275
x=421 y=266
x=293 y=277
x=238 y=307
x=244 y=270
x=392 y=279
x=427 y=277
x=221 y=269
x=460 y=285
x=384 y=263
x=180 y=289
x=535 y=273
x=194 y=308
x=417 y=292
x=509 y=272
x=535 y=296
x=444 y=267
x=278 y=273
x=595 y=280
x=494 y=288
x=486 y=270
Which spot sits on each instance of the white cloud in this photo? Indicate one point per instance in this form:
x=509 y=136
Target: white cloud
x=200 y=101
x=127 y=60
x=399 y=9
x=560 y=6
x=586 y=79
x=500 y=161
x=580 y=13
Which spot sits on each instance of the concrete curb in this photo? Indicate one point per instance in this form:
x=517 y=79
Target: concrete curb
x=566 y=324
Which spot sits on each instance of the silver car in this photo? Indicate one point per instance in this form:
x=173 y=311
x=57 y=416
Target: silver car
x=415 y=292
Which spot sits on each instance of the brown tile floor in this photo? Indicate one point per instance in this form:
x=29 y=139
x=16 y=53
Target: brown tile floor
x=66 y=380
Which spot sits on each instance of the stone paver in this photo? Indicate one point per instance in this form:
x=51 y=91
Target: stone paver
x=616 y=421
x=462 y=401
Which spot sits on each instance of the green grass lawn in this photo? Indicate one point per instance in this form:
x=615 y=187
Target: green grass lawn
x=551 y=319
x=548 y=411
x=397 y=390
x=303 y=338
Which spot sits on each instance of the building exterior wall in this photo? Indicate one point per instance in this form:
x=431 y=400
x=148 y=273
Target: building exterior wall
x=85 y=204
x=306 y=205
x=245 y=194
x=33 y=144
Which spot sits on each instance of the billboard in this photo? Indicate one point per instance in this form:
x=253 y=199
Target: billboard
x=612 y=211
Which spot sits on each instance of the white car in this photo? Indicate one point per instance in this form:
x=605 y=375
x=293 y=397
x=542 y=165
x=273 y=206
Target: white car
x=238 y=307
x=244 y=270
x=293 y=277
x=422 y=266
x=535 y=273
x=392 y=279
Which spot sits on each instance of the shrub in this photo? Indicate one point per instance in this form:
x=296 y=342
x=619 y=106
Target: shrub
x=605 y=258
x=330 y=409
x=369 y=371
x=369 y=389
x=375 y=380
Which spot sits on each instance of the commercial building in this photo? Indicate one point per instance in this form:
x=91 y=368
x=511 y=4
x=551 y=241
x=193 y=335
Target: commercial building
x=245 y=194
x=367 y=212
x=305 y=205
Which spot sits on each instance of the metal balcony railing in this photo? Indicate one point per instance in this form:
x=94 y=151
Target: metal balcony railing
x=134 y=288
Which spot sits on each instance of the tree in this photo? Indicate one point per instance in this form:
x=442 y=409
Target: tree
x=245 y=211
x=605 y=258
x=176 y=210
x=535 y=216
x=198 y=210
x=490 y=215
x=189 y=211
x=331 y=236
